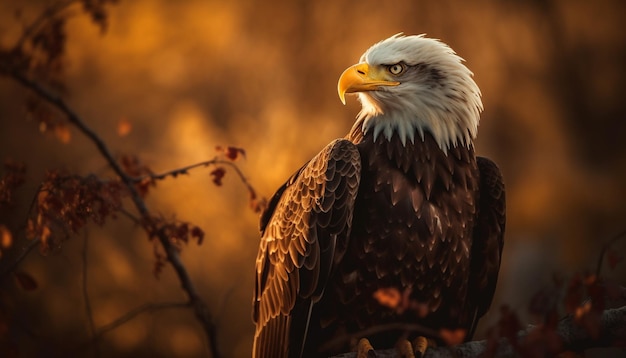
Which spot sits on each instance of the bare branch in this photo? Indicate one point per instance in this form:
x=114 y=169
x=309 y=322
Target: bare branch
x=179 y=171
x=573 y=338
x=50 y=12
x=200 y=308
x=123 y=319
x=130 y=315
x=184 y=171
x=25 y=250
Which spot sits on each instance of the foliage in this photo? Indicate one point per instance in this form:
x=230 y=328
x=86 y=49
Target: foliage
x=65 y=202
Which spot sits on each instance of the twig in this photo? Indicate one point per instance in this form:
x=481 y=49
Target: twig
x=92 y=326
x=200 y=308
x=243 y=178
x=176 y=172
x=123 y=319
x=605 y=248
x=31 y=244
x=184 y=170
x=146 y=307
x=47 y=14
x=25 y=251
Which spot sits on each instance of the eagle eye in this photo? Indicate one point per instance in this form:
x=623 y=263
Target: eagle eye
x=396 y=69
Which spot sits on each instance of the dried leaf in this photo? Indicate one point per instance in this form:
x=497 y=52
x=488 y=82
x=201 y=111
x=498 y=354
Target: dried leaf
x=453 y=337
x=218 y=174
x=389 y=297
x=62 y=132
x=198 y=234
x=233 y=153
x=6 y=239
x=230 y=152
x=45 y=234
x=26 y=281
x=582 y=310
x=11 y=179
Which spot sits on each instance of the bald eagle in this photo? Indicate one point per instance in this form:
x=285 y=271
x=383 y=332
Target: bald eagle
x=401 y=204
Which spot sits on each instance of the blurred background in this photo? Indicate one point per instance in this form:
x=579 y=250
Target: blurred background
x=191 y=75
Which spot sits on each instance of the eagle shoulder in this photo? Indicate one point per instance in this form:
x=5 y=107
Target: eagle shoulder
x=304 y=234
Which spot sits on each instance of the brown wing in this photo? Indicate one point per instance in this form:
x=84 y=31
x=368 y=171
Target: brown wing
x=488 y=241
x=304 y=234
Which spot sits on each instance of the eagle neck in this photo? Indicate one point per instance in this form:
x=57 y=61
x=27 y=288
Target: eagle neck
x=409 y=130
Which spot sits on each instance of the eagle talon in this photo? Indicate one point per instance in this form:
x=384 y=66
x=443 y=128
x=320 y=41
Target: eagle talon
x=404 y=349
x=421 y=344
x=365 y=349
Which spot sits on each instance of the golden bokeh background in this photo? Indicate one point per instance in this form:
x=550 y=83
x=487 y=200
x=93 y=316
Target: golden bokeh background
x=262 y=75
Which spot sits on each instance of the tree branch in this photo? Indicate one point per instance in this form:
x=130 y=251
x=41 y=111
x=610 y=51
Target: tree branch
x=50 y=12
x=123 y=319
x=130 y=315
x=31 y=244
x=199 y=306
x=184 y=170
x=25 y=250
x=573 y=337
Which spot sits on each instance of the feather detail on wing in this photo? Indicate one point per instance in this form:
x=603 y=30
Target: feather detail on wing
x=488 y=240
x=304 y=234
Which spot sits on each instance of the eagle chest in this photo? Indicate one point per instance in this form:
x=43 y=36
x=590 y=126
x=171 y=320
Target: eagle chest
x=412 y=227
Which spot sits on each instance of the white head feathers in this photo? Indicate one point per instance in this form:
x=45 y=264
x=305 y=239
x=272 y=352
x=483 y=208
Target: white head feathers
x=436 y=94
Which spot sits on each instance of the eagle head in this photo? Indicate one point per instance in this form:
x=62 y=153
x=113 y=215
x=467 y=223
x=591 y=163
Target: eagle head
x=414 y=84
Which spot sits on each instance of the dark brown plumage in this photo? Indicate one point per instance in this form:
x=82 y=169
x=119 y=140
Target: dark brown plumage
x=374 y=212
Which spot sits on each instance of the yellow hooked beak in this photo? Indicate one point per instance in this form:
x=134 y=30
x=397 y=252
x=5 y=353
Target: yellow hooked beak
x=362 y=77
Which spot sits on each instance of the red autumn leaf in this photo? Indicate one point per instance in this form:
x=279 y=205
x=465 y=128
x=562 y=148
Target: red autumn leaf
x=62 y=132
x=389 y=297
x=6 y=239
x=233 y=153
x=182 y=232
x=582 y=310
x=198 y=234
x=12 y=178
x=26 y=281
x=218 y=174
x=452 y=337
x=45 y=234
x=230 y=152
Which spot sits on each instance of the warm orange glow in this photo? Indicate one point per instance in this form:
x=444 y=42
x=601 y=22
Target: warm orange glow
x=192 y=75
